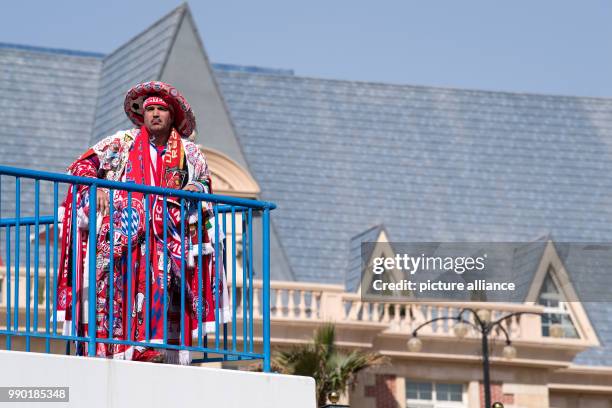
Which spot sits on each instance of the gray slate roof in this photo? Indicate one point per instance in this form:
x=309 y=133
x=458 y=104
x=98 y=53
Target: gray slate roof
x=46 y=99
x=431 y=164
x=46 y=102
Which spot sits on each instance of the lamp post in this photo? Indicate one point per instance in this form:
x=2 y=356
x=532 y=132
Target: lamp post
x=485 y=326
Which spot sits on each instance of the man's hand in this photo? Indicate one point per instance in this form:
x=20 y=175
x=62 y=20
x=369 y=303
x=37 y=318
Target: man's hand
x=191 y=187
x=103 y=201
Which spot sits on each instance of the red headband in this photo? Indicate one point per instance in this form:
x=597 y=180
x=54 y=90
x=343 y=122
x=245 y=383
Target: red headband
x=155 y=100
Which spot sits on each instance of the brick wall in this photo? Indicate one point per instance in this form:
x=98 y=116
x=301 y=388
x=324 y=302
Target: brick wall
x=383 y=391
x=497 y=395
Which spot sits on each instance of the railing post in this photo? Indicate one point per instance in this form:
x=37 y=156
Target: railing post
x=91 y=321
x=530 y=325
x=331 y=308
x=17 y=251
x=266 y=288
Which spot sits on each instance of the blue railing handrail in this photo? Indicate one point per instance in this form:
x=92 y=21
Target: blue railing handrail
x=225 y=206
x=118 y=185
x=48 y=219
x=12 y=222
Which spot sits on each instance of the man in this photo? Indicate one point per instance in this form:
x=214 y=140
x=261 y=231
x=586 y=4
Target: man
x=157 y=153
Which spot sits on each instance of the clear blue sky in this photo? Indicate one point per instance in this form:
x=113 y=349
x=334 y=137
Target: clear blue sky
x=541 y=46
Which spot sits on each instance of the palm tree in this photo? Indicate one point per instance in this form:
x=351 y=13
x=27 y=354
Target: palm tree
x=332 y=369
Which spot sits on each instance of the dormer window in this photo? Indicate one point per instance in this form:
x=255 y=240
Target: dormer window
x=555 y=309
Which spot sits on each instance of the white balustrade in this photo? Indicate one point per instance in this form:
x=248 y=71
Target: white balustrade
x=300 y=301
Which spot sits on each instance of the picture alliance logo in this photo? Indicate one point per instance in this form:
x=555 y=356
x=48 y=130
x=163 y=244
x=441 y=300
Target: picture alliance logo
x=412 y=264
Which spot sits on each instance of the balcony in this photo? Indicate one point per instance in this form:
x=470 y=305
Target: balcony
x=296 y=308
x=218 y=241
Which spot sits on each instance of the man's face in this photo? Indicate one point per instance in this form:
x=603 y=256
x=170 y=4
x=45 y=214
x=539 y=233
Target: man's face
x=158 y=119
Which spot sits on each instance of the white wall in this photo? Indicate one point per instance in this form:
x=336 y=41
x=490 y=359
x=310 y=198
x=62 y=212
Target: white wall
x=105 y=383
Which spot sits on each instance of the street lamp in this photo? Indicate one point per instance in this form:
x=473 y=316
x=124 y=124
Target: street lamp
x=415 y=344
x=461 y=329
x=482 y=324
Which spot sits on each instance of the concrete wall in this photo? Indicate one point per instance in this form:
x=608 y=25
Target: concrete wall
x=101 y=383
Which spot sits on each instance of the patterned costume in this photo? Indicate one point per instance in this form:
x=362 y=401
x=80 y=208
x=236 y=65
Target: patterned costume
x=129 y=156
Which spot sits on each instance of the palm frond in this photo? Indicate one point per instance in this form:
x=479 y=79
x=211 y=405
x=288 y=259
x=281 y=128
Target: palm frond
x=325 y=337
x=332 y=369
x=344 y=367
x=302 y=360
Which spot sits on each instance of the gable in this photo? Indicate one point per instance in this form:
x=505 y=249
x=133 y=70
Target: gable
x=139 y=60
x=380 y=248
x=553 y=271
x=352 y=279
x=188 y=69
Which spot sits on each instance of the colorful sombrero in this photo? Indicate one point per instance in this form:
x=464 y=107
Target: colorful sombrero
x=184 y=119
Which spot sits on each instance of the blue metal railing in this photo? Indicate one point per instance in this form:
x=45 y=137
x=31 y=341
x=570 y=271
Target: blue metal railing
x=43 y=294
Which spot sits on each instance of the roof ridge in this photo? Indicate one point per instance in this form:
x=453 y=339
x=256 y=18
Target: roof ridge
x=184 y=10
x=253 y=69
x=367 y=230
x=398 y=85
x=52 y=50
